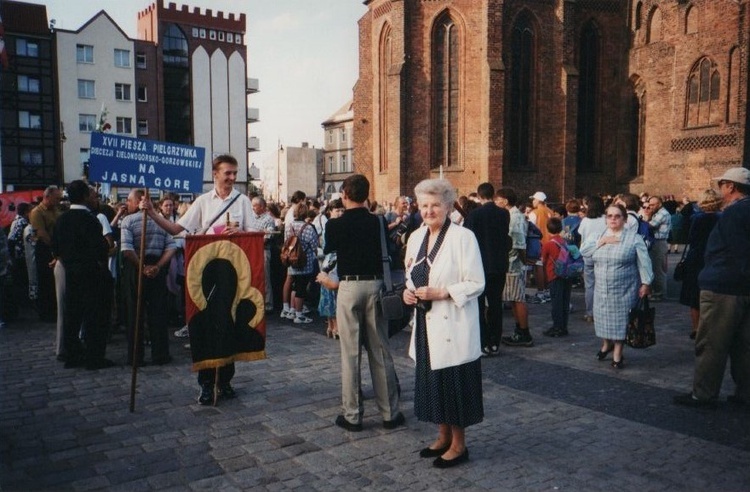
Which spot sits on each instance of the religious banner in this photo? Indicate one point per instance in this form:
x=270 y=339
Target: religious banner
x=139 y=163
x=224 y=298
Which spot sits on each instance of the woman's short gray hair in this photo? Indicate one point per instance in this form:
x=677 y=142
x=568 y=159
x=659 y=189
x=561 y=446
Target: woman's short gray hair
x=440 y=188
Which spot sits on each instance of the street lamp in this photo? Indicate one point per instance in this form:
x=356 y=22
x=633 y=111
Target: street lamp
x=279 y=150
x=323 y=183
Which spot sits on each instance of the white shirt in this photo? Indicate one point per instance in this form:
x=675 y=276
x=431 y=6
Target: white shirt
x=106 y=228
x=289 y=217
x=632 y=220
x=198 y=219
x=591 y=228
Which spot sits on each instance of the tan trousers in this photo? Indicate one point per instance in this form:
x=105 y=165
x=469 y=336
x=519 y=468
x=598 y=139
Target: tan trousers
x=723 y=331
x=361 y=322
x=59 y=273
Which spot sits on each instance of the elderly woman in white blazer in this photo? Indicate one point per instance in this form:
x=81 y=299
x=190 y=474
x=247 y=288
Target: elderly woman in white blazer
x=444 y=279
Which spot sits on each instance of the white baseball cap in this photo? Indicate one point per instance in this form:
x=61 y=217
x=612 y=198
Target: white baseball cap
x=739 y=175
x=539 y=195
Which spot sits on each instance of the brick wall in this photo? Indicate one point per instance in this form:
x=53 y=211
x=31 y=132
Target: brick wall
x=677 y=159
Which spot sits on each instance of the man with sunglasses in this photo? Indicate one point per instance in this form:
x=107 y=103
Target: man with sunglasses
x=724 y=326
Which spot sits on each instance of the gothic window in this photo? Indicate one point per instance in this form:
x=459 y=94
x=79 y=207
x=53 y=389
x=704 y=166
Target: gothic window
x=733 y=85
x=637 y=129
x=654 y=27
x=523 y=79
x=638 y=14
x=691 y=20
x=445 y=92
x=384 y=65
x=703 y=94
x=588 y=99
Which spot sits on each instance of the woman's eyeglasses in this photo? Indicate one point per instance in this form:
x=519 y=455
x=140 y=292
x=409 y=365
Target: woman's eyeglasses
x=614 y=216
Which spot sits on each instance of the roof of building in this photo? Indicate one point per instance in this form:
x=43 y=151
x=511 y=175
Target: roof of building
x=26 y=18
x=101 y=13
x=345 y=113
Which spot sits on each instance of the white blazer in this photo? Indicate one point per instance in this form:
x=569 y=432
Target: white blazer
x=453 y=323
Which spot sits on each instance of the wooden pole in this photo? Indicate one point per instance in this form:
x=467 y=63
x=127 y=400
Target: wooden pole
x=138 y=309
x=216 y=386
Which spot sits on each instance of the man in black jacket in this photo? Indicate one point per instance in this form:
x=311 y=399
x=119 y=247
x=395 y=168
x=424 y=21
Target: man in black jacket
x=78 y=242
x=490 y=223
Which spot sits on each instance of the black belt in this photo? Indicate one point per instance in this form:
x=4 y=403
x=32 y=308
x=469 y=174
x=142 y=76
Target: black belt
x=355 y=278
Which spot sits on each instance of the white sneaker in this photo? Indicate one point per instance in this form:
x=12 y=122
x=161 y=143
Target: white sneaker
x=182 y=332
x=286 y=314
x=305 y=310
x=302 y=319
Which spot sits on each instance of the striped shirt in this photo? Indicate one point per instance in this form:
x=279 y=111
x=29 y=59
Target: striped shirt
x=661 y=223
x=157 y=239
x=517 y=232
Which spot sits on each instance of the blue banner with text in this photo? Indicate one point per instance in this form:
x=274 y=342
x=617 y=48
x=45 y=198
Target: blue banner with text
x=138 y=163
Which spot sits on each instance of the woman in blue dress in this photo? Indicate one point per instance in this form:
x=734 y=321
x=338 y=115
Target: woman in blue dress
x=444 y=280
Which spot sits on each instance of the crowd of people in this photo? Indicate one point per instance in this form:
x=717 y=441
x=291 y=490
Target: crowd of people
x=459 y=261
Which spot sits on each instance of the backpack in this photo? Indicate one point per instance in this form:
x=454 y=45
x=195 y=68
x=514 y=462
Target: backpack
x=645 y=231
x=569 y=262
x=293 y=253
x=533 y=244
x=571 y=235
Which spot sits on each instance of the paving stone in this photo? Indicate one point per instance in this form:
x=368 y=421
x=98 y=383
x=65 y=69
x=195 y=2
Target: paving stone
x=555 y=419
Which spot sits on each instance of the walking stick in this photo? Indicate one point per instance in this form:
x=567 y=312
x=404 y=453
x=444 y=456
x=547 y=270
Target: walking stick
x=138 y=309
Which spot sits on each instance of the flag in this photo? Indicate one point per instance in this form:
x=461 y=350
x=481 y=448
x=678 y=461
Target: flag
x=224 y=298
x=3 y=51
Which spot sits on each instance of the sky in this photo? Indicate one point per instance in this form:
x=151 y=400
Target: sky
x=304 y=54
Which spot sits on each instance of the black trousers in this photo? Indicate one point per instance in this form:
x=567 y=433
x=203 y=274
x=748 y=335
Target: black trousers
x=154 y=308
x=491 y=310
x=207 y=376
x=83 y=300
x=46 y=297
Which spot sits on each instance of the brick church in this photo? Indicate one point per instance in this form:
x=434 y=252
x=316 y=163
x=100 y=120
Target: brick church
x=566 y=96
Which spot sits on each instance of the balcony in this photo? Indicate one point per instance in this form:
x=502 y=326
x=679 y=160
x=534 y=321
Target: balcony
x=253 y=115
x=253 y=144
x=253 y=86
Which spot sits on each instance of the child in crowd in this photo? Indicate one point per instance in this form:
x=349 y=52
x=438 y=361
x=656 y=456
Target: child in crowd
x=559 y=287
x=329 y=280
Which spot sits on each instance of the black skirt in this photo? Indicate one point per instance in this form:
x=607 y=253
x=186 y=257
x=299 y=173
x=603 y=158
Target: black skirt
x=450 y=396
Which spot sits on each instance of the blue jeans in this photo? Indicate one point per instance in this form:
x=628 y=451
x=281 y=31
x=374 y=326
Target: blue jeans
x=559 y=290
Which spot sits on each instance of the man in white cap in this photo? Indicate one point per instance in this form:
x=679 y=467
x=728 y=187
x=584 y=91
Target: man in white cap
x=539 y=217
x=724 y=326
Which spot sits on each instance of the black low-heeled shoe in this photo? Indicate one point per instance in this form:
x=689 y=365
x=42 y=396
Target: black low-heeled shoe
x=433 y=453
x=603 y=355
x=443 y=463
x=618 y=364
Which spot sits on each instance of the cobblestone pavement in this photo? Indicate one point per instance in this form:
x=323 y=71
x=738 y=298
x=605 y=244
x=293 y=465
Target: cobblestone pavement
x=556 y=419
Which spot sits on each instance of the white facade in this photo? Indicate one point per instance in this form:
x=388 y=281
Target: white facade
x=338 y=148
x=290 y=169
x=96 y=69
x=219 y=115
